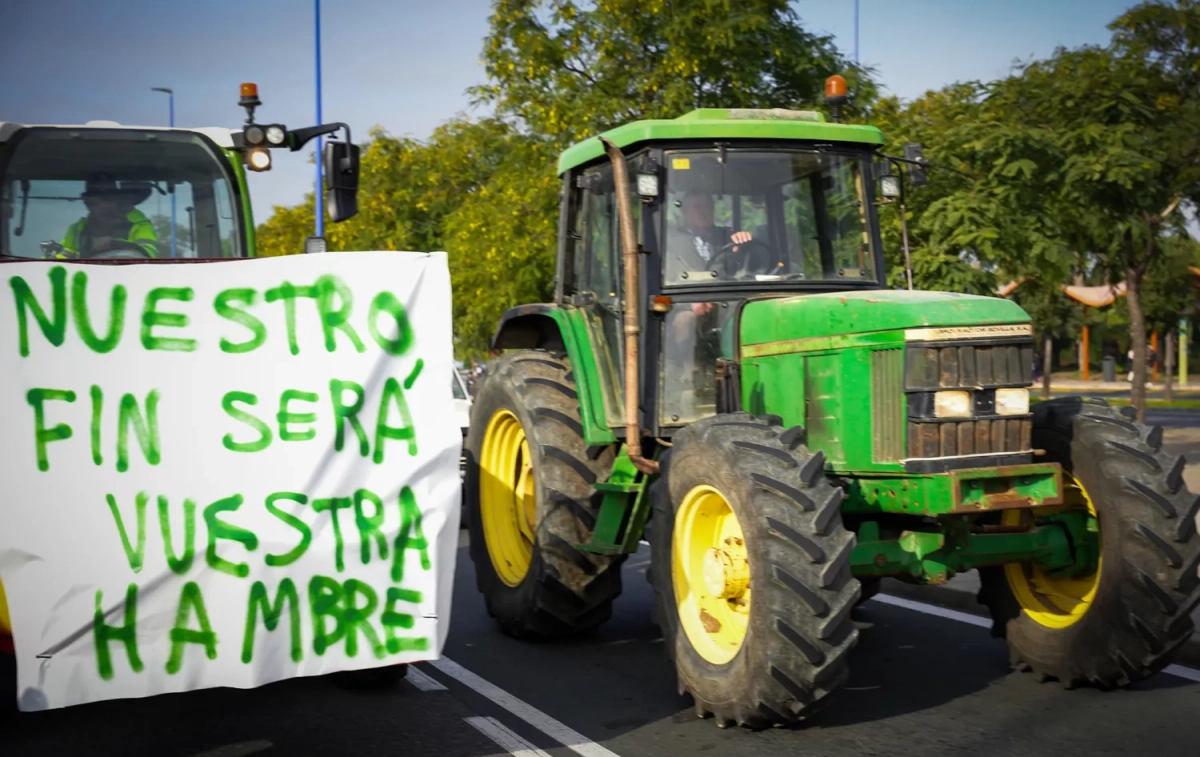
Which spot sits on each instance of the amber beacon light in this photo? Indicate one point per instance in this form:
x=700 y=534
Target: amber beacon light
x=835 y=95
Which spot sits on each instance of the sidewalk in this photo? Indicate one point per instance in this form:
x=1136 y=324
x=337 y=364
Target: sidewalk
x=1072 y=386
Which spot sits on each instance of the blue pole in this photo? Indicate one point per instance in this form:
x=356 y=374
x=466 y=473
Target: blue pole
x=320 y=194
x=856 y=32
x=174 y=252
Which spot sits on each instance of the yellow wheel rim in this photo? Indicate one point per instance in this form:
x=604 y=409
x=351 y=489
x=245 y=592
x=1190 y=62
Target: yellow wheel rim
x=711 y=573
x=507 y=497
x=1054 y=601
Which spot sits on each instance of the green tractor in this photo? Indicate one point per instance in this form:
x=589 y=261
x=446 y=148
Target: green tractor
x=724 y=373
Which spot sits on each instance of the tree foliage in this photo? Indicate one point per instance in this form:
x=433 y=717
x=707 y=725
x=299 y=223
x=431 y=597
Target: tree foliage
x=567 y=70
x=560 y=71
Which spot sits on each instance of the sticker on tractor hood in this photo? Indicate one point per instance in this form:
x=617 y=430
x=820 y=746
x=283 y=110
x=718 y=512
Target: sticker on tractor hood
x=944 y=333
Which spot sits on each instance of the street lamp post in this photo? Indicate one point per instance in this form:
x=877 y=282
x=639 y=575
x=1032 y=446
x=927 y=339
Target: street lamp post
x=171 y=100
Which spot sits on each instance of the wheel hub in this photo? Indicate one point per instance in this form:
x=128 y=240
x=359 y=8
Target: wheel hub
x=727 y=571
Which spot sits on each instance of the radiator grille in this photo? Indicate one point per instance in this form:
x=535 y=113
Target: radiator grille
x=887 y=405
x=984 y=437
x=976 y=368
x=969 y=366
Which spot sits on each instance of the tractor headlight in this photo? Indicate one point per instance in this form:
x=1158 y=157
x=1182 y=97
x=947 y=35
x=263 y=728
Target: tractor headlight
x=953 y=404
x=275 y=135
x=647 y=184
x=259 y=159
x=1012 y=401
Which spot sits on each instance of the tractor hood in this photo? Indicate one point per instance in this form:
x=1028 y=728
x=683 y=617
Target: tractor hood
x=807 y=322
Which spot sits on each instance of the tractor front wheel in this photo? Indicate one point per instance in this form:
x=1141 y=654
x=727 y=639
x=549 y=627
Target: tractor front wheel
x=751 y=568
x=1120 y=621
x=530 y=498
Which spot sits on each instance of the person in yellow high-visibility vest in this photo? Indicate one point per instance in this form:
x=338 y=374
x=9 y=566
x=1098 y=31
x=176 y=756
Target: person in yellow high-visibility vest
x=112 y=222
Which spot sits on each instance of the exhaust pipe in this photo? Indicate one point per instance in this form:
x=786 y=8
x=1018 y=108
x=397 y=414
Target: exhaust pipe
x=632 y=323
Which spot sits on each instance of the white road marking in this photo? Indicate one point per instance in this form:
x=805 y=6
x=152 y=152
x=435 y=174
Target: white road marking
x=1179 y=671
x=423 y=681
x=941 y=612
x=505 y=737
x=560 y=732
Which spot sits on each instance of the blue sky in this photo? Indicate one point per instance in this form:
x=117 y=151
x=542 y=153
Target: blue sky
x=405 y=65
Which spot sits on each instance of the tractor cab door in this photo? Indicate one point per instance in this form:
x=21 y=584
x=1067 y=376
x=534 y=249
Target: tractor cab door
x=594 y=280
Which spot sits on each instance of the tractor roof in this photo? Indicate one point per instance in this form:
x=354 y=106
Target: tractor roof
x=723 y=123
x=223 y=137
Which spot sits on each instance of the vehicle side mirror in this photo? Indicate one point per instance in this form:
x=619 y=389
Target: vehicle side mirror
x=916 y=173
x=341 y=180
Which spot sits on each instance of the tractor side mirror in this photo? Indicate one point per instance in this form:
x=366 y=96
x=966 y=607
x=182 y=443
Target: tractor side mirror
x=916 y=173
x=341 y=180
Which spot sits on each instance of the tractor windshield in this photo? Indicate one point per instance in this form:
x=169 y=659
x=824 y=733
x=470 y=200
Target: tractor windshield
x=759 y=215
x=117 y=193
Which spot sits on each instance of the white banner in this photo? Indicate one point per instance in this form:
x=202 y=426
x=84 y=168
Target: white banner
x=226 y=473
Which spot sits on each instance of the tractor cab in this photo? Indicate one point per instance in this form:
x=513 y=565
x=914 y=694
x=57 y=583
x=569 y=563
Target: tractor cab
x=103 y=191
x=728 y=205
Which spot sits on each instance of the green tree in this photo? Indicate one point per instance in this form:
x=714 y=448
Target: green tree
x=162 y=228
x=566 y=71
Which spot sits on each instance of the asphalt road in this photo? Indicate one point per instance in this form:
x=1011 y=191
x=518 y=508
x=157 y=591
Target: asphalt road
x=920 y=684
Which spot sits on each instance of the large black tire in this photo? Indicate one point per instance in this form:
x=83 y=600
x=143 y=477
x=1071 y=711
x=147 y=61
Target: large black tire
x=1150 y=554
x=565 y=592
x=799 y=632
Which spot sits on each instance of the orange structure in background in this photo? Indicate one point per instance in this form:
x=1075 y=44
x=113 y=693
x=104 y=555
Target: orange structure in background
x=1090 y=297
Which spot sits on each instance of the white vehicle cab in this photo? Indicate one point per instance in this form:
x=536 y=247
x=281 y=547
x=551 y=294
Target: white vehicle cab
x=462 y=403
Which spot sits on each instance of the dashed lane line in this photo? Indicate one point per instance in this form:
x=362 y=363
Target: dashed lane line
x=422 y=681
x=556 y=730
x=504 y=736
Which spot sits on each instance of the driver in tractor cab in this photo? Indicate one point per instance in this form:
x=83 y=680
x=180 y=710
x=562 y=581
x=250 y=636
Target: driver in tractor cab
x=697 y=239
x=113 y=221
x=692 y=246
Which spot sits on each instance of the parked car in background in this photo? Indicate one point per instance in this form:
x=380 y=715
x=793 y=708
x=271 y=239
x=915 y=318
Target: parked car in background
x=462 y=408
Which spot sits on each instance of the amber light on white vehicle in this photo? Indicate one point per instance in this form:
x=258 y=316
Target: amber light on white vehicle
x=1012 y=401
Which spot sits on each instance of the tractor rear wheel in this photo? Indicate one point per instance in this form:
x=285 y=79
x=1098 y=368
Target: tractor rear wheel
x=530 y=498
x=751 y=570
x=1122 y=622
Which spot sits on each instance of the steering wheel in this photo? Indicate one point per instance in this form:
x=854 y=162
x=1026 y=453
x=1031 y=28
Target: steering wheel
x=134 y=253
x=123 y=250
x=744 y=262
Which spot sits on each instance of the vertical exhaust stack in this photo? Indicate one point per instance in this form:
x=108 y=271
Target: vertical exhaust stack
x=632 y=322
